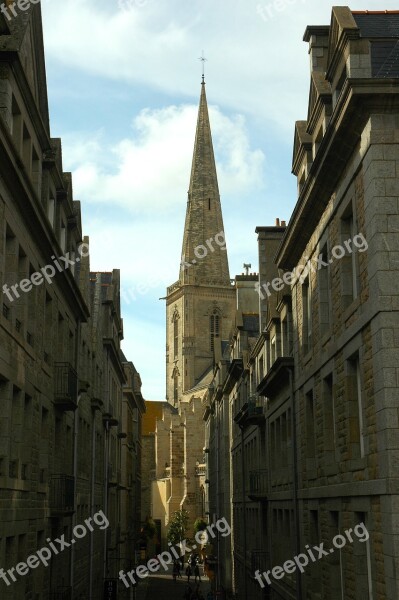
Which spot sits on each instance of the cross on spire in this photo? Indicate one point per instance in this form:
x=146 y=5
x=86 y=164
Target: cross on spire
x=203 y=60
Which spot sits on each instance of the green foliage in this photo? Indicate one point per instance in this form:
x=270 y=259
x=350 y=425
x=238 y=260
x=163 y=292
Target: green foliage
x=178 y=526
x=200 y=525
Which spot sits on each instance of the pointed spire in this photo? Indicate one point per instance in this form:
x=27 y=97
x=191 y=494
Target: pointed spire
x=204 y=259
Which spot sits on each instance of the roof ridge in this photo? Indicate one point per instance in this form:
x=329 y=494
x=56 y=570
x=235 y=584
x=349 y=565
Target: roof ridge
x=375 y=12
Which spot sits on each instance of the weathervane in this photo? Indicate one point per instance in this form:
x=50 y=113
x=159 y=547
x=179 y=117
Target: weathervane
x=247 y=266
x=203 y=60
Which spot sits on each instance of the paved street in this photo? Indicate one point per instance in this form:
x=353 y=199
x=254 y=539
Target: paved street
x=161 y=585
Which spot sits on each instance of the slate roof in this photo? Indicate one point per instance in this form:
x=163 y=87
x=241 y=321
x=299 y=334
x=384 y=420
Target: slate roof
x=382 y=28
x=385 y=59
x=378 y=24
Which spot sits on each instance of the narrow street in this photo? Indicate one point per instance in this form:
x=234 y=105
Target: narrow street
x=161 y=585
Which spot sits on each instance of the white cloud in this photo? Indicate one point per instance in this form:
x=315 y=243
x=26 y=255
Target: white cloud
x=256 y=66
x=149 y=171
x=133 y=192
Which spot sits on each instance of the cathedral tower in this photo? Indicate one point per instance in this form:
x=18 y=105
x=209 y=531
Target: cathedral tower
x=200 y=305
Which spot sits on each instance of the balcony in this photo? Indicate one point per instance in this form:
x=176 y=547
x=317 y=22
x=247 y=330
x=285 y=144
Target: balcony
x=61 y=593
x=251 y=413
x=65 y=386
x=260 y=561
x=62 y=495
x=258 y=484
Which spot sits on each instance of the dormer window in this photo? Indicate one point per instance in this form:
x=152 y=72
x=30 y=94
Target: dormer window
x=339 y=86
x=317 y=142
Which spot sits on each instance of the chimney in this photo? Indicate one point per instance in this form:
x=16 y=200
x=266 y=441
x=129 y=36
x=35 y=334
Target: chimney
x=318 y=37
x=277 y=222
x=283 y=224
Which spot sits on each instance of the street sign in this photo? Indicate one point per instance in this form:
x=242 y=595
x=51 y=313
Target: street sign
x=110 y=589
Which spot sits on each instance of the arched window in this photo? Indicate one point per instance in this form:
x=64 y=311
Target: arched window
x=175 y=334
x=214 y=327
x=175 y=388
x=175 y=377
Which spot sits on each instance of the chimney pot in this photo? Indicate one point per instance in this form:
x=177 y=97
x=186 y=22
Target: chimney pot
x=277 y=222
x=283 y=223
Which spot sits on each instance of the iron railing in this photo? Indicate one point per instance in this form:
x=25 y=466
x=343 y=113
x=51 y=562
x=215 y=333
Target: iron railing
x=65 y=386
x=258 y=482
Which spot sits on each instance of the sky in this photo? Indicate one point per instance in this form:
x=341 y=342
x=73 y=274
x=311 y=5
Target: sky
x=124 y=83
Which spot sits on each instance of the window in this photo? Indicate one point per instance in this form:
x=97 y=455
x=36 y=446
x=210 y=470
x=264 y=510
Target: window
x=176 y=334
x=13 y=469
x=306 y=316
x=330 y=435
x=51 y=210
x=36 y=170
x=17 y=124
x=339 y=86
x=349 y=262
x=317 y=142
x=214 y=328
x=175 y=386
x=27 y=150
x=301 y=181
x=261 y=368
x=362 y=556
x=310 y=425
x=324 y=293
x=63 y=236
x=336 y=566
x=313 y=574
x=355 y=406
x=273 y=352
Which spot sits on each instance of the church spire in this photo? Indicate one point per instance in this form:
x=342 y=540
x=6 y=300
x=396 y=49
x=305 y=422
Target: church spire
x=204 y=255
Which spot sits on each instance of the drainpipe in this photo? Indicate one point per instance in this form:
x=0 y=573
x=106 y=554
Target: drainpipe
x=93 y=471
x=75 y=457
x=295 y=483
x=106 y=445
x=244 y=507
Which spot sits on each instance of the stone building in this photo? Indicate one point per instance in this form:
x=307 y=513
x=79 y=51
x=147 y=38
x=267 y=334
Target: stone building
x=318 y=391
x=62 y=379
x=224 y=441
x=345 y=311
x=133 y=410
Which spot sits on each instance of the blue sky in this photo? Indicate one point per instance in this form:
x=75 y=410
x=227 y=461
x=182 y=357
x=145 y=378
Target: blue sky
x=124 y=84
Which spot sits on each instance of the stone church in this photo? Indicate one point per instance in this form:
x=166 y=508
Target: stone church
x=200 y=311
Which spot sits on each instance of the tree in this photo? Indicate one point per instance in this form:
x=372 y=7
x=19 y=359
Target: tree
x=200 y=525
x=178 y=526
